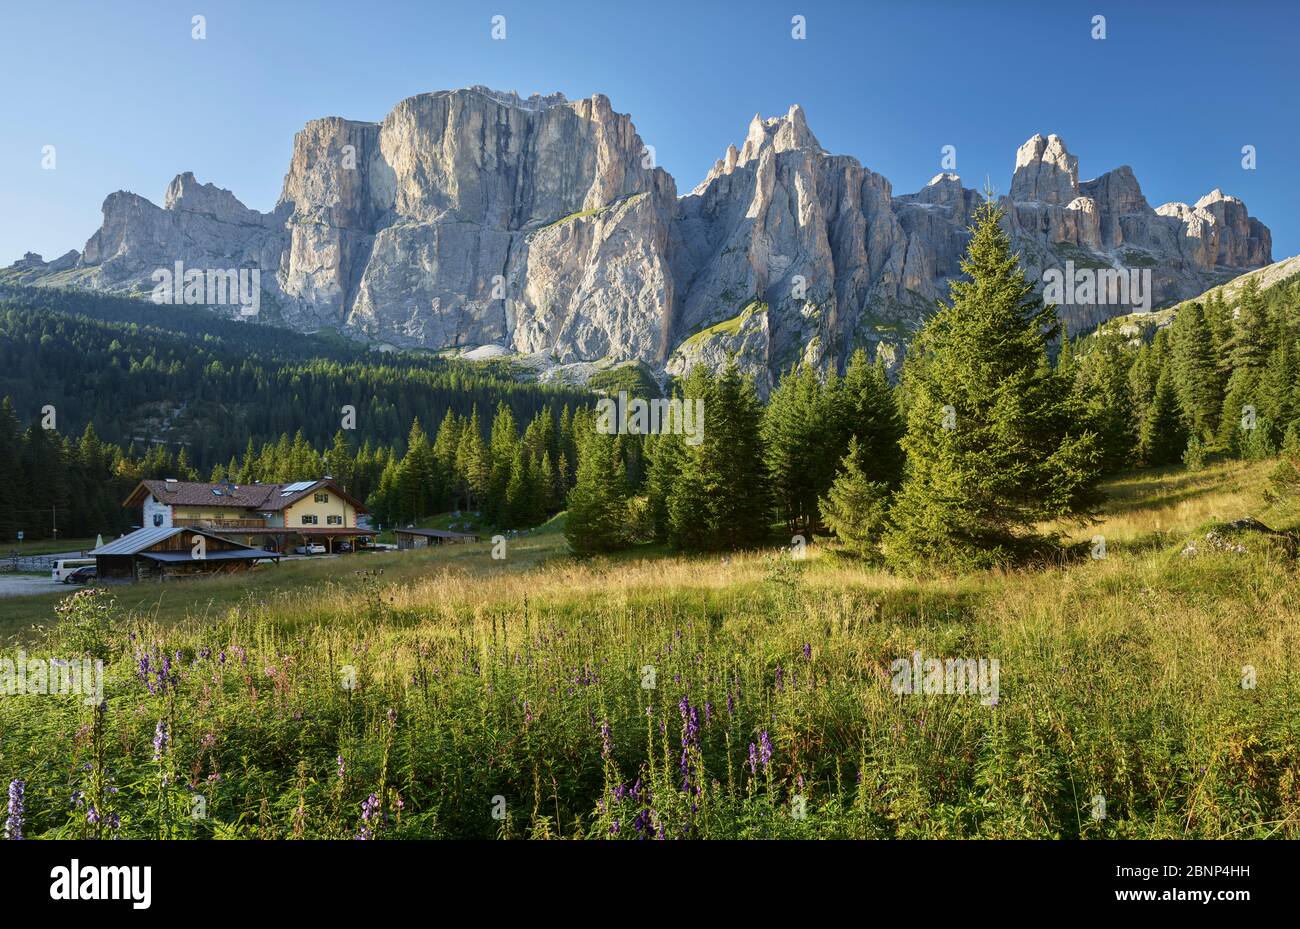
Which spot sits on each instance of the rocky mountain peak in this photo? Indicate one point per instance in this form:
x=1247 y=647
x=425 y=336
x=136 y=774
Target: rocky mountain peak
x=1215 y=196
x=779 y=134
x=1045 y=172
x=187 y=194
x=534 y=102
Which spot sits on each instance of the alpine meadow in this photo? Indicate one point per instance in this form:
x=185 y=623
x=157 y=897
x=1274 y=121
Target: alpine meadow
x=527 y=496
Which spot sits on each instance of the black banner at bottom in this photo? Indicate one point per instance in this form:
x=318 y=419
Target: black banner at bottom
x=143 y=879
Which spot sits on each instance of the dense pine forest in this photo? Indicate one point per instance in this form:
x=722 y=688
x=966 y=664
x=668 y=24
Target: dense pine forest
x=103 y=391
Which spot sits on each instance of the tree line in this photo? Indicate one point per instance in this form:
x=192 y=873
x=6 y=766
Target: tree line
x=998 y=424
x=186 y=378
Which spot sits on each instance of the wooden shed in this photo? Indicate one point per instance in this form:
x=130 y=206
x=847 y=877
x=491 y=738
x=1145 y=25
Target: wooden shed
x=419 y=538
x=168 y=552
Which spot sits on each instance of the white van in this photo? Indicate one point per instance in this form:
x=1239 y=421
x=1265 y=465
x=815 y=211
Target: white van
x=65 y=566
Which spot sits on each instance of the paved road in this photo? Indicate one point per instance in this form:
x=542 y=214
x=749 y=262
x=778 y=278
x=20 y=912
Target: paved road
x=22 y=585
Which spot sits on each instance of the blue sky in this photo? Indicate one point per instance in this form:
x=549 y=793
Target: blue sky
x=129 y=99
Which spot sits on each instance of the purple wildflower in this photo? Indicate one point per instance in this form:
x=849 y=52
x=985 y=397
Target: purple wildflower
x=606 y=742
x=14 y=822
x=159 y=740
x=369 y=816
x=690 y=738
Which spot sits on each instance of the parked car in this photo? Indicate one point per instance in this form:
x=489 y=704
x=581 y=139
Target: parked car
x=314 y=548
x=83 y=575
x=344 y=546
x=65 y=566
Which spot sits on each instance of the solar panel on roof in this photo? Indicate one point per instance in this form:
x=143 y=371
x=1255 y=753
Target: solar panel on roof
x=295 y=487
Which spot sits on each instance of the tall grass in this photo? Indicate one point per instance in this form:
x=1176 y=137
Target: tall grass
x=667 y=697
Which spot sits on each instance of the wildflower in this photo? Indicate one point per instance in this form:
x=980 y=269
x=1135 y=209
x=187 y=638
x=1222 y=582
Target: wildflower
x=642 y=824
x=690 y=738
x=14 y=822
x=369 y=816
x=807 y=650
x=159 y=740
x=765 y=749
x=606 y=742
x=342 y=769
x=753 y=758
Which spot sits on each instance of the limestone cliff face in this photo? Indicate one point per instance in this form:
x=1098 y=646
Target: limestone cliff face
x=469 y=218
x=472 y=219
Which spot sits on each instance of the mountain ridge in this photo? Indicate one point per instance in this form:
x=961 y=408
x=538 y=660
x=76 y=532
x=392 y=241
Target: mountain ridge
x=474 y=219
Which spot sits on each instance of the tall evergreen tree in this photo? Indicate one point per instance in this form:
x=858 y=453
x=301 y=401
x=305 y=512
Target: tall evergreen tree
x=1195 y=371
x=598 y=502
x=872 y=416
x=991 y=449
x=1163 y=436
x=720 y=500
x=856 y=507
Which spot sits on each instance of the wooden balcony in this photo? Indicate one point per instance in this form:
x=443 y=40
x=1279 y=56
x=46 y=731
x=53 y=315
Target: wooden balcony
x=219 y=523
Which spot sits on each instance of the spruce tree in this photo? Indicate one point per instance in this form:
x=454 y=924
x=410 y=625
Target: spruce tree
x=598 y=502
x=664 y=454
x=872 y=417
x=1195 y=371
x=795 y=432
x=1163 y=436
x=1101 y=388
x=990 y=445
x=856 y=507
x=720 y=500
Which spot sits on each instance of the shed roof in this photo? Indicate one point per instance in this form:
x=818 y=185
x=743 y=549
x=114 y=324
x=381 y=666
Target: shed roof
x=249 y=554
x=136 y=542
x=436 y=533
